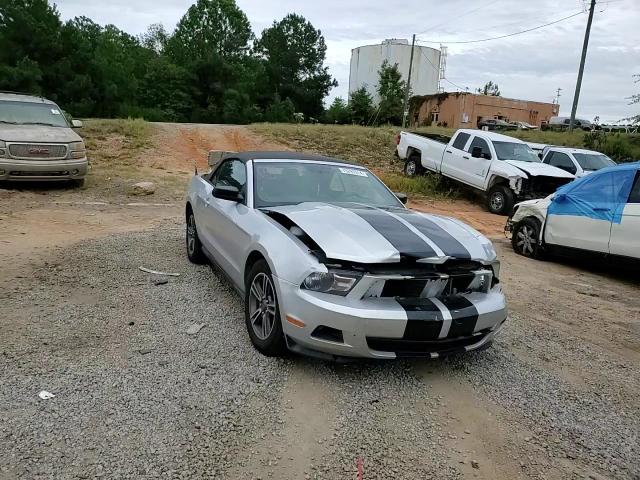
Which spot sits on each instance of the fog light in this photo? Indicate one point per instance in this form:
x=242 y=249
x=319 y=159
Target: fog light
x=75 y=172
x=2 y=172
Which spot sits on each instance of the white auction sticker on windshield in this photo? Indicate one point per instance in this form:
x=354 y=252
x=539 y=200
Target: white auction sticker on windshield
x=353 y=171
x=55 y=111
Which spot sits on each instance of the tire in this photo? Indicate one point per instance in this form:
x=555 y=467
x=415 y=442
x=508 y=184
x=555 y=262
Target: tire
x=194 y=247
x=262 y=313
x=525 y=238
x=77 y=182
x=500 y=200
x=412 y=166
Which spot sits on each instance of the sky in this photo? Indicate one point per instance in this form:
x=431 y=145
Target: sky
x=531 y=66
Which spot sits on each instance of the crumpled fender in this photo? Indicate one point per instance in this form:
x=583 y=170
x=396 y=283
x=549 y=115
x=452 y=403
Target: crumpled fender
x=509 y=172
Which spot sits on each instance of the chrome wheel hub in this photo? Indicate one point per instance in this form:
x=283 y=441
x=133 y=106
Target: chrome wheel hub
x=526 y=240
x=497 y=201
x=262 y=305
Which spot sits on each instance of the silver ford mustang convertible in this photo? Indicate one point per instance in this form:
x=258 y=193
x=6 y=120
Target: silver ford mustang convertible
x=330 y=262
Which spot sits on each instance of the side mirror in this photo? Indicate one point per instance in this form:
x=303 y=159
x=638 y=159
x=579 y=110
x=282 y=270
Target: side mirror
x=540 y=155
x=402 y=197
x=476 y=152
x=228 y=192
x=76 y=123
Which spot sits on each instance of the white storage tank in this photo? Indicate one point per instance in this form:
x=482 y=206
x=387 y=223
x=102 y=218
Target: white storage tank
x=366 y=62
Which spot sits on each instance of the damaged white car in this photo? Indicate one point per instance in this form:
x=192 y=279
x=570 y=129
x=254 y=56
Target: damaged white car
x=598 y=214
x=331 y=263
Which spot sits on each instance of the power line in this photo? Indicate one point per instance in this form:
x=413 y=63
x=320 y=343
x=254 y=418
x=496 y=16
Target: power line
x=459 y=16
x=438 y=70
x=507 y=35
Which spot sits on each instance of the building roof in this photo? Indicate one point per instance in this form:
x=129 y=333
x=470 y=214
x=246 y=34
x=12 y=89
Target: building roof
x=283 y=155
x=497 y=137
x=23 y=97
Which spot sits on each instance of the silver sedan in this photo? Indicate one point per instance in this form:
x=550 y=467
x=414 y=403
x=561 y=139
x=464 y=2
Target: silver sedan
x=330 y=262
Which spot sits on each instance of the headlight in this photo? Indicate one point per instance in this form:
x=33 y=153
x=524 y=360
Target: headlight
x=77 y=150
x=336 y=282
x=2 y=148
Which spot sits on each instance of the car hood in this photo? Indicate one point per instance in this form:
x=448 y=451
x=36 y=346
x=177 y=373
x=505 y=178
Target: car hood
x=37 y=134
x=539 y=169
x=364 y=234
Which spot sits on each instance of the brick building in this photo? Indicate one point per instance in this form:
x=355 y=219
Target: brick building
x=465 y=110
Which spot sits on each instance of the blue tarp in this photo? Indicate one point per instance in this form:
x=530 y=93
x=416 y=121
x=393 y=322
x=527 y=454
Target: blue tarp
x=601 y=195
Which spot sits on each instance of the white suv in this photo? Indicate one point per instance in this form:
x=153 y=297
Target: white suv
x=37 y=141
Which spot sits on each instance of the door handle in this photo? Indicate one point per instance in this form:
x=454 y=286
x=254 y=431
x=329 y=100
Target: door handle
x=465 y=157
x=449 y=151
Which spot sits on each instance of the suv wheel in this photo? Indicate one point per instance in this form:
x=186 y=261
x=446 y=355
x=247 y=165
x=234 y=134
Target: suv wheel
x=194 y=247
x=525 y=238
x=500 y=200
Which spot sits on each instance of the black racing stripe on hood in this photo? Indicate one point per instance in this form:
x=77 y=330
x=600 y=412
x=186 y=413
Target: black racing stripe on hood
x=464 y=316
x=424 y=319
x=395 y=232
x=438 y=235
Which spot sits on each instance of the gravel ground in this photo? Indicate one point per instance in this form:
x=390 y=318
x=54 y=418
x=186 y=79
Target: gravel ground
x=139 y=397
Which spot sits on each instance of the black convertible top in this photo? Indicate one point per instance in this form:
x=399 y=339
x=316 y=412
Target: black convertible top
x=244 y=156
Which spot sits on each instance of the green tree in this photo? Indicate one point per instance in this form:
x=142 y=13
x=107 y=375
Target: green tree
x=280 y=110
x=155 y=38
x=210 y=29
x=391 y=91
x=338 y=112
x=294 y=53
x=29 y=44
x=361 y=106
x=490 y=89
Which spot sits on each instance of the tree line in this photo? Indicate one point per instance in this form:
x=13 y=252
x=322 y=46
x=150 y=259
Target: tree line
x=211 y=68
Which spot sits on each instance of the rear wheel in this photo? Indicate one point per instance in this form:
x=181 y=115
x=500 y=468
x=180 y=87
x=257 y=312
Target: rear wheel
x=194 y=247
x=412 y=166
x=500 y=200
x=261 y=311
x=525 y=239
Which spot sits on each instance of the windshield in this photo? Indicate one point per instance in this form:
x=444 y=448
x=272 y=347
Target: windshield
x=288 y=183
x=593 y=161
x=27 y=113
x=515 y=151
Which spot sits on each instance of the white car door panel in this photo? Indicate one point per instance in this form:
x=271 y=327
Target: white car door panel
x=476 y=168
x=578 y=232
x=625 y=236
x=452 y=161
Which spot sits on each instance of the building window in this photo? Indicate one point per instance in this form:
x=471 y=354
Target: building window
x=435 y=116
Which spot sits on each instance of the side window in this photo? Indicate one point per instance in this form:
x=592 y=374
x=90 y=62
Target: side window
x=231 y=173
x=461 y=140
x=479 y=142
x=634 y=196
x=562 y=160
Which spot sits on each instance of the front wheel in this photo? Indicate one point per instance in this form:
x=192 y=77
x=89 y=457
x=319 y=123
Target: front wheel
x=526 y=238
x=262 y=313
x=500 y=200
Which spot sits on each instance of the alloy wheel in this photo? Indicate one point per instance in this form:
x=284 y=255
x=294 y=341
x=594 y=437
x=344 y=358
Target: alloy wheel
x=410 y=169
x=497 y=201
x=526 y=240
x=262 y=305
x=191 y=234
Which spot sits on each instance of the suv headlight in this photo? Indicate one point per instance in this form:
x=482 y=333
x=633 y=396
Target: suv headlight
x=336 y=282
x=77 y=150
x=3 y=147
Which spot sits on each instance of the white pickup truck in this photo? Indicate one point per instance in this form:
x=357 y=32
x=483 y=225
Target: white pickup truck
x=504 y=167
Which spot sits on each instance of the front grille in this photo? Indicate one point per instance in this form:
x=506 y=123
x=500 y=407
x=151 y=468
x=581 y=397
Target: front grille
x=436 y=285
x=61 y=173
x=414 y=348
x=33 y=151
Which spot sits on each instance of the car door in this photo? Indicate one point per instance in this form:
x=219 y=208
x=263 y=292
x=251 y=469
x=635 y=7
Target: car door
x=625 y=236
x=476 y=168
x=453 y=162
x=222 y=220
x=581 y=217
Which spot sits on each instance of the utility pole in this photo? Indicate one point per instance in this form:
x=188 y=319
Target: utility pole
x=557 y=99
x=585 y=44
x=405 y=112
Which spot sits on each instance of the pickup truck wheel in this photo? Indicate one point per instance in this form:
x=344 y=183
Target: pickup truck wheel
x=500 y=200
x=262 y=313
x=525 y=238
x=412 y=166
x=194 y=247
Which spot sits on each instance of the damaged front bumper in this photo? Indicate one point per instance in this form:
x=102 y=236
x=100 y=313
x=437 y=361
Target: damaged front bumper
x=331 y=326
